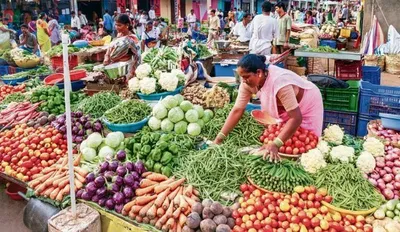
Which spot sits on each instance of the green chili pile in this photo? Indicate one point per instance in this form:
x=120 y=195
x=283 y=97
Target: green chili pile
x=14 y=97
x=246 y=132
x=129 y=111
x=349 y=189
x=99 y=103
x=215 y=172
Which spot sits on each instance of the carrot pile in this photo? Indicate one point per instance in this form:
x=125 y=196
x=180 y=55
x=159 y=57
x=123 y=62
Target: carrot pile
x=162 y=202
x=17 y=113
x=8 y=89
x=53 y=181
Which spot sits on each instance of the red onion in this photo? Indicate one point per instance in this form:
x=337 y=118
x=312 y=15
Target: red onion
x=390 y=186
x=388 y=157
x=381 y=186
x=388 y=178
x=389 y=164
x=388 y=170
x=396 y=185
x=380 y=181
x=382 y=173
x=396 y=170
x=397 y=178
x=380 y=164
x=388 y=194
x=375 y=176
x=373 y=181
x=397 y=163
x=396 y=197
x=391 y=132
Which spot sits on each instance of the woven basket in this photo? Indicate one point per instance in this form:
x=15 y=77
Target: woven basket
x=315 y=66
x=97 y=42
x=393 y=64
x=301 y=71
x=373 y=60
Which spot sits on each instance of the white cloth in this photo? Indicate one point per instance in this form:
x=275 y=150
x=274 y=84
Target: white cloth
x=152 y=14
x=83 y=20
x=264 y=30
x=191 y=18
x=244 y=32
x=75 y=22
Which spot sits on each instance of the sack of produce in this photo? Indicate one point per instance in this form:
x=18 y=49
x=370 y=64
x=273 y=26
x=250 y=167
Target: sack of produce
x=393 y=64
x=374 y=60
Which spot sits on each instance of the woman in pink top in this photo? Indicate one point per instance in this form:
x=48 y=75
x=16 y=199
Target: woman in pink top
x=283 y=94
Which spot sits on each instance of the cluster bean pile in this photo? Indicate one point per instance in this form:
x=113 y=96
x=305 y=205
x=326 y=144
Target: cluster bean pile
x=128 y=112
x=99 y=103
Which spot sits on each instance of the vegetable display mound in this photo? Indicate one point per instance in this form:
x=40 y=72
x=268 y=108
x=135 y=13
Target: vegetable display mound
x=129 y=111
x=8 y=89
x=99 y=103
x=161 y=59
x=14 y=97
x=18 y=113
x=246 y=132
x=58 y=50
x=216 y=172
x=349 y=189
x=114 y=185
x=96 y=148
x=276 y=177
x=82 y=126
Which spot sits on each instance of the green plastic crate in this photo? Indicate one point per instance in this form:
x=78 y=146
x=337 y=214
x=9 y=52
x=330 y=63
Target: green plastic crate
x=342 y=99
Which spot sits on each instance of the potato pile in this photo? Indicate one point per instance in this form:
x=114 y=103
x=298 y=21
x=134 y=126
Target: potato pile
x=209 y=216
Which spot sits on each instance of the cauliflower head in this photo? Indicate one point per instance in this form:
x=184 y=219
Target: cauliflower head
x=374 y=146
x=323 y=147
x=342 y=154
x=134 y=84
x=366 y=162
x=178 y=73
x=168 y=81
x=143 y=71
x=148 y=85
x=313 y=160
x=157 y=74
x=333 y=134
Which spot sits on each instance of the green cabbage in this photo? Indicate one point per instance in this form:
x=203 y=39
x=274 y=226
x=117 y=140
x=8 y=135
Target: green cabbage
x=88 y=153
x=179 y=98
x=113 y=140
x=194 y=129
x=175 y=115
x=83 y=145
x=199 y=110
x=94 y=140
x=159 y=111
x=167 y=125
x=186 y=105
x=208 y=115
x=181 y=127
x=154 y=123
x=169 y=102
x=201 y=122
x=191 y=116
x=106 y=152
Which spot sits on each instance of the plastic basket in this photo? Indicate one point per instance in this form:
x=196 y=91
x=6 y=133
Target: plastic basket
x=3 y=70
x=371 y=74
x=346 y=120
x=390 y=121
x=348 y=70
x=14 y=81
x=342 y=99
x=330 y=43
x=75 y=85
x=158 y=96
x=12 y=191
x=126 y=128
x=58 y=65
x=362 y=123
x=375 y=99
x=224 y=70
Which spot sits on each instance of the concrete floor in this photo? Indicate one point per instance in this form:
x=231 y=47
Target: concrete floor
x=11 y=213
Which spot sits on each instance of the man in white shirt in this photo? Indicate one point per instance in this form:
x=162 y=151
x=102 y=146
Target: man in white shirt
x=191 y=19
x=243 y=29
x=214 y=26
x=152 y=13
x=75 y=22
x=264 y=30
x=82 y=19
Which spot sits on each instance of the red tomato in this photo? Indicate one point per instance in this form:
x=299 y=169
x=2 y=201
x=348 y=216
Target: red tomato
x=313 y=144
x=289 y=150
x=288 y=142
x=302 y=150
x=295 y=151
x=307 y=141
x=308 y=147
x=244 y=187
x=271 y=137
x=282 y=149
x=262 y=138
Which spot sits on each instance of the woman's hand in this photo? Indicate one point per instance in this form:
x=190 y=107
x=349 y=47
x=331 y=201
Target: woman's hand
x=270 y=150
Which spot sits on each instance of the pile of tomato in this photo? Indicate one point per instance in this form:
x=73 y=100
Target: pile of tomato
x=301 y=211
x=25 y=151
x=302 y=141
x=8 y=89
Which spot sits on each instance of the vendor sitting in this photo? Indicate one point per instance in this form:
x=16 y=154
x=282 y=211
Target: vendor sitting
x=243 y=29
x=28 y=41
x=150 y=37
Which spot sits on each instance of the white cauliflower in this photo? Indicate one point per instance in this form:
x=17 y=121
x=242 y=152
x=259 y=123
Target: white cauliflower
x=342 y=154
x=324 y=147
x=134 y=84
x=313 y=160
x=366 y=162
x=333 y=134
x=168 y=81
x=157 y=74
x=143 y=71
x=374 y=146
x=148 y=85
x=178 y=73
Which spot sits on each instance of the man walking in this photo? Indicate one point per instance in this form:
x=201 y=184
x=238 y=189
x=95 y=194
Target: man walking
x=285 y=25
x=82 y=19
x=213 y=26
x=191 y=19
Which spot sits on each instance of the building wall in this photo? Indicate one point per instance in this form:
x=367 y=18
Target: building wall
x=165 y=9
x=390 y=11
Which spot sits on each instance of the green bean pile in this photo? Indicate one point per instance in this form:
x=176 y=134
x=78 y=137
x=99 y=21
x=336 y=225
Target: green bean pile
x=129 y=111
x=214 y=171
x=246 y=132
x=349 y=189
x=99 y=103
x=14 y=97
x=277 y=177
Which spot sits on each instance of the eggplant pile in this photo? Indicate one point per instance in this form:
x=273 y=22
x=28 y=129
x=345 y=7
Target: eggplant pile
x=82 y=126
x=114 y=185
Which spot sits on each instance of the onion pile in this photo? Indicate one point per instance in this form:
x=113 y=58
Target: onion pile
x=391 y=137
x=82 y=126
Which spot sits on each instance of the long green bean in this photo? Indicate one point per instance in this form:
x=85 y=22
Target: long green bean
x=129 y=111
x=99 y=103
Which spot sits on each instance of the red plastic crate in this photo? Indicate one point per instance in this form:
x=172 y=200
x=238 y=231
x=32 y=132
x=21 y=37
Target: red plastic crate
x=58 y=65
x=348 y=70
x=98 y=57
x=12 y=191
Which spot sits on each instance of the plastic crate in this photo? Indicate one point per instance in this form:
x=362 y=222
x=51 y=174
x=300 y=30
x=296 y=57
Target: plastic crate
x=224 y=70
x=345 y=32
x=3 y=70
x=372 y=74
x=362 y=123
x=348 y=70
x=58 y=65
x=342 y=99
x=329 y=43
x=346 y=120
x=375 y=99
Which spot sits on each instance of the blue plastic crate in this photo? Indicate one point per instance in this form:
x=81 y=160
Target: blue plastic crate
x=224 y=70
x=346 y=120
x=362 y=123
x=3 y=70
x=375 y=99
x=250 y=107
x=330 y=43
x=371 y=74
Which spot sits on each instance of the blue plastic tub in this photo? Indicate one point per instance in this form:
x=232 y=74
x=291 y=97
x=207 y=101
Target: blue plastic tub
x=372 y=74
x=14 y=81
x=330 y=43
x=362 y=124
x=390 y=121
x=158 y=96
x=250 y=107
x=126 y=128
x=80 y=43
x=346 y=120
x=75 y=85
x=224 y=70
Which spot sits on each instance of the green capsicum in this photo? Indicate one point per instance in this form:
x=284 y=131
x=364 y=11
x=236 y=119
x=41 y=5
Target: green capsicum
x=162 y=145
x=173 y=148
x=166 y=158
x=157 y=167
x=146 y=149
x=137 y=147
x=156 y=154
x=166 y=170
x=155 y=137
x=149 y=164
x=145 y=139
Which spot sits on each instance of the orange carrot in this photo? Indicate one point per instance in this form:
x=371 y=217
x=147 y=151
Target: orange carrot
x=48 y=170
x=160 y=212
x=77 y=160
x=128 y=206
x=165 y=205
x=144 y=175
x=136 y=208
x=78 y=184
x=188 y=211
x=156 y=177
x=34 y=183
x=63 y=183
x=173 y=229
x=189 y=200
x=152 y=212
x=79 y=177
x=177 y=183
x=34 y=177
x=146 y=208
x=143 y=200
x=66 y=189
x=57 y=182
x=60 y=195
x=161 y=197
x=132 y=214
x=177 y=201
x=178 y=227
x=183 y=204
x=54 y=193
x=153 y=221
x=143 y=191
x=139 y=219
x=170 y=210
x=81 y=171
x=188 y=190
x=170 y=223
x=196 y=192
x=174 y=193
x=146 y=220
x=195 y=198
x=48 y=191
x=182 y=219
x=176 y=213
x=161 y=221
x=164 y=228
x=163 y=186
x=146 y=183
